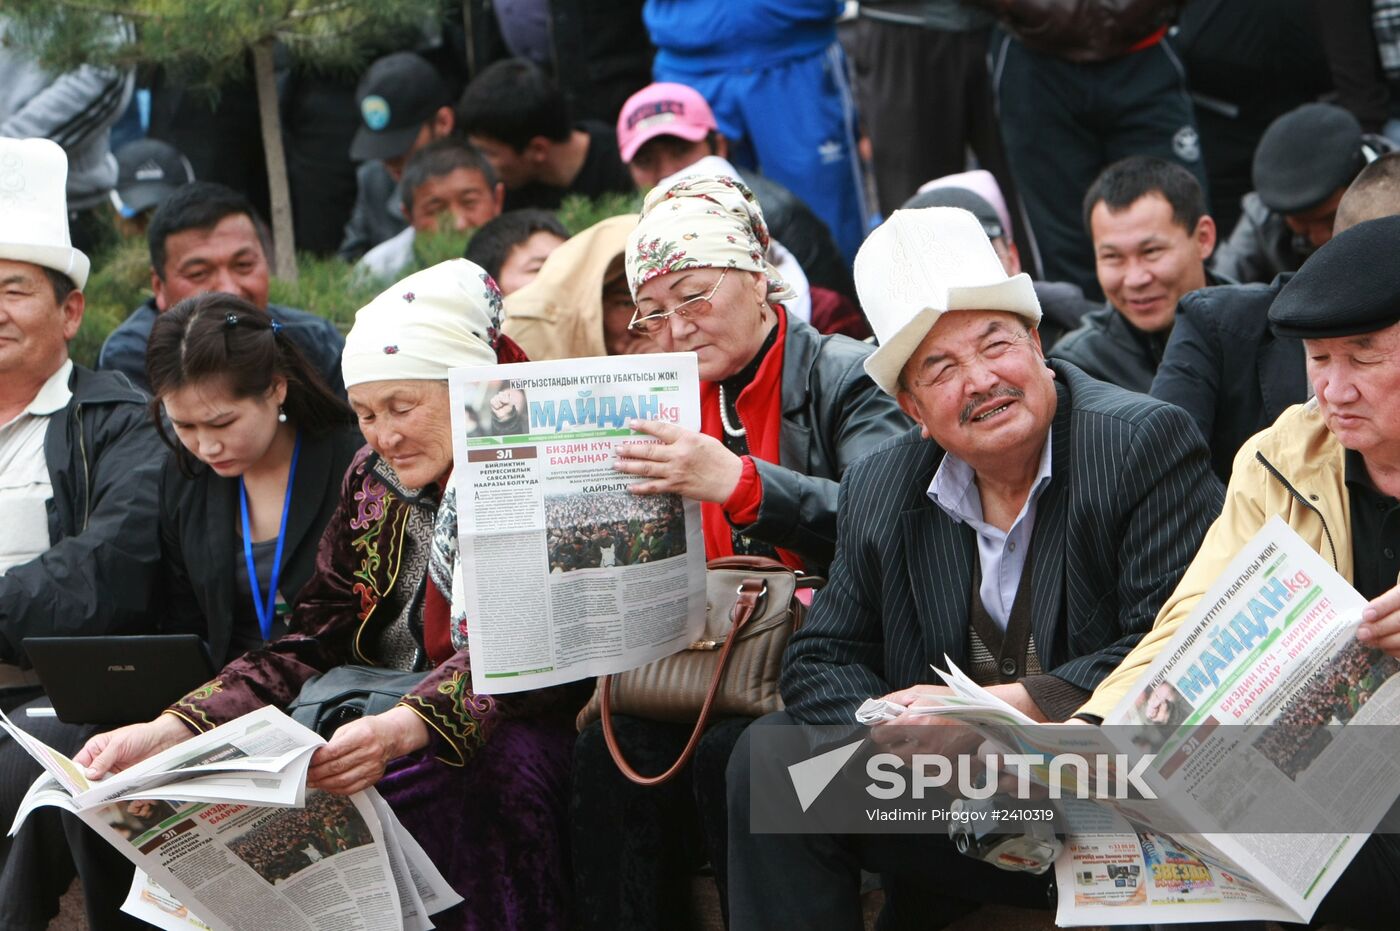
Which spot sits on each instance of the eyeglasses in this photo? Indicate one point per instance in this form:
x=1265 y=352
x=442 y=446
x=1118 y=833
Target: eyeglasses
x=698 y=306
x=950 y=370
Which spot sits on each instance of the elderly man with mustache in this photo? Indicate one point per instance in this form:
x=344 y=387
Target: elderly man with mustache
x=1030 y=528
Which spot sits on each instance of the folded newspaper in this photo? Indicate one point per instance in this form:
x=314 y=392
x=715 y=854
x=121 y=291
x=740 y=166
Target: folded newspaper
x=1271 y=645
x=225 y=835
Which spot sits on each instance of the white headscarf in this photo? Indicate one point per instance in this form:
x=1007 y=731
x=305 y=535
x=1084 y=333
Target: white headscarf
x=434 y=320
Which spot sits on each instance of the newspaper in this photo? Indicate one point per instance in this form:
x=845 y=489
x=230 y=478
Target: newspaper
x=1271 y=645
x=566 y=573
x=226 y=836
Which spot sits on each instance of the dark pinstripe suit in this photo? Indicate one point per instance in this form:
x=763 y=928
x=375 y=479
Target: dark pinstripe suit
x=1130 y=497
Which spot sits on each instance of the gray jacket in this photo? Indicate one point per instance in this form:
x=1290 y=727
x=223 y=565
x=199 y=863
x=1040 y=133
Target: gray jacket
x=376 y=217
x=1261 y=246
x=833 y=415
x=104 y=459
x=76 y=110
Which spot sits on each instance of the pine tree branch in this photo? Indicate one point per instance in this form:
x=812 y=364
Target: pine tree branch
x=324 y=10
x=107 y=10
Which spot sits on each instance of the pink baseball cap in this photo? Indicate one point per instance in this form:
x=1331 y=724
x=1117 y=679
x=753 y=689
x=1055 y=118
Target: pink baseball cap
x=662 y=110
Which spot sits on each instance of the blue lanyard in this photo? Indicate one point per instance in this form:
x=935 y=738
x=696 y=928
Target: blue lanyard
x=266 y=608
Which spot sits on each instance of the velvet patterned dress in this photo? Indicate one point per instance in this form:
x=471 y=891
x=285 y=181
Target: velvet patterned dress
x=487 y=798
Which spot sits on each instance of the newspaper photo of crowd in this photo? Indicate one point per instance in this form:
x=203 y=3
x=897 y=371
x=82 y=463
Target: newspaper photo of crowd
x=592 y=531
x=1333 y=697
x=297 y=838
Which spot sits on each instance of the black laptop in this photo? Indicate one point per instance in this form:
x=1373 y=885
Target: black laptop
x=117 y=680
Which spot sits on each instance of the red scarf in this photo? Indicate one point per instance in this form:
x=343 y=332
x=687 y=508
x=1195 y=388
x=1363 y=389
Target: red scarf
x=760 y=407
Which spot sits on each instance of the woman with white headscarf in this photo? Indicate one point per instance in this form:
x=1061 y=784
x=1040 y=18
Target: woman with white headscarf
x=784 y=411
x=478 y=780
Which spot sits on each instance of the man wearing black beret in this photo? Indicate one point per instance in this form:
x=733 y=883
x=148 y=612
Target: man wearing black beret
x=1304 y=162
x=1330 y=467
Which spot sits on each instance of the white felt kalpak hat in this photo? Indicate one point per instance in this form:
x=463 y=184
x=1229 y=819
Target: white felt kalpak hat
x=917 y=266
x=34 y=208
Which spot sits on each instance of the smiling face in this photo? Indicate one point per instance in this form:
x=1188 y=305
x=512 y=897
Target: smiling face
x=978 y=386
x=1356 y=380
x=227 y=433
x=34 y=326
x=409 y=424
x=1146 y=261
x=729 y=335
x=227 y=257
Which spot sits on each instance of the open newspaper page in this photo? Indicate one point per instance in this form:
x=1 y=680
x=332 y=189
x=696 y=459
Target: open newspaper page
x=281 y=856
x=566 y=573
x=1270 y=647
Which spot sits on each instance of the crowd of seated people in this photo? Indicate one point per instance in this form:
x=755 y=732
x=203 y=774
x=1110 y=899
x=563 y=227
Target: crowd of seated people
x=981 y=463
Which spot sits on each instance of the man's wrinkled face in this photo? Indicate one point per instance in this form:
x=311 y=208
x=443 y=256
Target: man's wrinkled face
x=1146 y=261
x=1357 y=381
x=979 y=386
x=228 y=257
x=460 y=200
x=34 y=326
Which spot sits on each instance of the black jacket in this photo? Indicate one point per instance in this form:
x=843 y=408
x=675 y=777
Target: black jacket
x=200 y=546
x=833 y=414
x=103 y=458
x=1129 y=500
x=1225 y=367
x=1111 y=349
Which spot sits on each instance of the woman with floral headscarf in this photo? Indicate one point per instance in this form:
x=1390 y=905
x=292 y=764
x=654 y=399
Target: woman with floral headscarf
x=784 y=411
x=478 y=780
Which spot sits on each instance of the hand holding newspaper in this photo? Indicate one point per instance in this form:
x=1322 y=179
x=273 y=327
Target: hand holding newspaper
x=1270 y=649
x=565 y=572
x=226 y=836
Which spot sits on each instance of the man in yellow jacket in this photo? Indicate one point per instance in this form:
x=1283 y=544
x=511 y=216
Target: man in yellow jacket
x=1330 y=467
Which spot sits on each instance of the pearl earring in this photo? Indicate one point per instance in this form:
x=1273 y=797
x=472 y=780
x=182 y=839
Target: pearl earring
x=281 y=414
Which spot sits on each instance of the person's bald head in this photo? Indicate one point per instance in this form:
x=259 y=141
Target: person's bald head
x=1374 y=194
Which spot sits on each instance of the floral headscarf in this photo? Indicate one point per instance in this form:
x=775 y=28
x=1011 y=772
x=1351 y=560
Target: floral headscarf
x=431 y=321
x=701 y=221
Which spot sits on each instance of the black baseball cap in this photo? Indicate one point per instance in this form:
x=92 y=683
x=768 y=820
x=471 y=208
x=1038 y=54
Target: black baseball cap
x=148 y=170
x=397 y=95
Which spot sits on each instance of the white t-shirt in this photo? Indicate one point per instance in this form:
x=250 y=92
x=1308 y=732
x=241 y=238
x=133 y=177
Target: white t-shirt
x=24 y=474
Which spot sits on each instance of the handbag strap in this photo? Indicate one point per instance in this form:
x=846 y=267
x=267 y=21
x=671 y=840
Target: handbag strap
x=751 y=594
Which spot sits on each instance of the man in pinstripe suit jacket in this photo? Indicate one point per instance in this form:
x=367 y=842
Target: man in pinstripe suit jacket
x=1030 y=528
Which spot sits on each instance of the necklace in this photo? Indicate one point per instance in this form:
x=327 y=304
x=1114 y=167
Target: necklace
x=729 y=428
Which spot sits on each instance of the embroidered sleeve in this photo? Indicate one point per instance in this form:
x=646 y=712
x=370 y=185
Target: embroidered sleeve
x=460 y=718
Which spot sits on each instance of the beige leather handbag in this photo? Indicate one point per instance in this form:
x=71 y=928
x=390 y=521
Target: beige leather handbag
x=733 y=670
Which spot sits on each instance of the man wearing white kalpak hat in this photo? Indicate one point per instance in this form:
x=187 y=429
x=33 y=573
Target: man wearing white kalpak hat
x=79 y=469
x=1029 y=528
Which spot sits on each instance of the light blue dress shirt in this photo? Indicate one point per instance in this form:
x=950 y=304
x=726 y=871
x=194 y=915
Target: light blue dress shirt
x=1001 y=554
